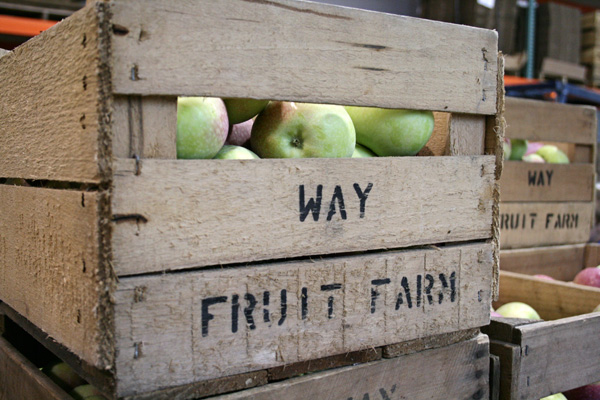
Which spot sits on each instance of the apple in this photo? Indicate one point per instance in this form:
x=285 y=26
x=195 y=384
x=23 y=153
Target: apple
x=597 y=309
x=302 y=130
x=553 y=154
x=84 y=392
x=240 y=110
x=507 y=149
x=587 y=392
x=557 y=396
x=518 y=149
x=542 y=276
x=202 y=126
x=533 y=147
x=588 y=276
x=63 y=375
x=517 y=309
x=391 y=132
x=362 y=152
x=229 y=152
x=533 y=158
x=495 y=314
x=239 y=134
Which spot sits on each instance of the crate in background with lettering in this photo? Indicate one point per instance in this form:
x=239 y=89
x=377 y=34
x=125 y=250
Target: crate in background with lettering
x=545 y=204
x=167 y=272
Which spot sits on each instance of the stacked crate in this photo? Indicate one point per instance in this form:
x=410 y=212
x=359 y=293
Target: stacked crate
x=590 y=46
x=163 y=278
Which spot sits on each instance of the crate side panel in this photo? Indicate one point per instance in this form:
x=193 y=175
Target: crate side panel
x=174 y=329
x=559 y=262
x=561 y=355
x=49 y=104
x=459 y=371
x=523 y=181
x=49 y=264
x=302 y=51
x=543 y=224
x=178 y=214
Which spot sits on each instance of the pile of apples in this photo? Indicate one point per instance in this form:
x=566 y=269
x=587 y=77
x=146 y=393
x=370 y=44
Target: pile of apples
x=238 y=128
x=535 y=152
x=69 y=381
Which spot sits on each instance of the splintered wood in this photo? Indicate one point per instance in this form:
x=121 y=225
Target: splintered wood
x=174 y=329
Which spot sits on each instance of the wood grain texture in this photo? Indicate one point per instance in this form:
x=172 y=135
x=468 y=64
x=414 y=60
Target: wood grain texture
x=21 y=379
x=538 y=120
x=559 y=262
x=174 y=329
x=429 y=342
x=558 y=355
x=510 y=362
x=437 y=145
x=49 y=268
x=467 y=135
x=544 y=224
x=461 y=372
x=494 y=377
x=208 y=212
x=50 y=119
x=551 y=299
x=524 y=182
x=302 y=51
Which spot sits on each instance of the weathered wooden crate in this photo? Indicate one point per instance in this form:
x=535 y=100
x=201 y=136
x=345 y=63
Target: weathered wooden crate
x=590 y=45
x=164 y=272
x=561 y=353
x=549 y=204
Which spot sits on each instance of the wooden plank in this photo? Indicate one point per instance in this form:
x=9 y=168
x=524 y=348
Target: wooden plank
x=438 y=142
x=461 y=372
x=538 y=120
x=494 y=377
x=175 y=214
x=551 y=299
x=52 y=126
x=592 y=255
x=559 y=355
x=527 y=182
x=544 y=224
x=221 y=322
x=510 y=361
x=49 y=266
x=144 y=127
x=20 y=379
x=467 y=135
x=562 y=69
x=584 y=154
x=429 y=342
x=301 y=51
x=559 y=262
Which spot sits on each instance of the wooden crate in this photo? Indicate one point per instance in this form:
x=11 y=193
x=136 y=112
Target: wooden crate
x=590 y=46
x=168 y=272
x=549 y=204
x=541 y=358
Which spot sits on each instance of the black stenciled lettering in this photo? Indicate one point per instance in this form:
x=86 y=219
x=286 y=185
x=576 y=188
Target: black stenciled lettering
x=283 y=296
x=559 y=222
x=207 y=316
x=384 y=394
x=249 y=310
x=444 y=286
x=549 y=174
x=575 y=220
x=406 y=288
x=532 y=217
x=428 y=288
x=328 y=288
x=375 y=293
x=339 y=197
x=362 y=195
x=504 y=218
x=312 y=205
x=235 y=312
x=304 y=303
x=266 y=316
x=399 y=301
x=419 y=285
x=549 y=217
x=531 y=177
x=453 y=287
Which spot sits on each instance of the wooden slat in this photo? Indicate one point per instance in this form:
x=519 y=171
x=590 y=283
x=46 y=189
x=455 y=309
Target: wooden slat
x=429 y=342
x=538 y=120
x=302 y=51
x=173 y=329
x=175 y=214
x=543 y=224
x=494 y=377
x=20 y=379
x=559 y=262
x=551 y=299
x=438 y=142
x=584 y=154
x=510 y=361
x=50 y=120
x=592 y=255
x=461 y=372
x=559 y=355
x=467 y=135
x=524 y=182
x=49 y=265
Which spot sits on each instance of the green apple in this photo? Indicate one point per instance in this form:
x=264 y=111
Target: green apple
x=240 y=110
x=63 y=375
x=391 y=132
x=517 y=309
x=557 y=396
x=597 y=309
x=84 y=392
x=229 y=152
x=239 y=134
x=518 y=149
x=533 y=158
x=507 y=149
x=361 y=152
x=202 y=126
x=553 y=154
x=302 y=130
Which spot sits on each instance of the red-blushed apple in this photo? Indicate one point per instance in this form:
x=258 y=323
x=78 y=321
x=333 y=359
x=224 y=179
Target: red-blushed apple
x=240 y=109
x=557 y=396
x=587 y=392
x=84 y=392
x=533 y=147
x=533 y=158
x=391 y=132
x=518 y=149
x=303 y=130
x=229 y=152
x=552 y=154
x=494 y=314
x=588 y=276
x=517 y=309
x=507 y=149
x=202 y=127
x=542 y=276
x=362 y=152
x=63 y=375
x=239 y=134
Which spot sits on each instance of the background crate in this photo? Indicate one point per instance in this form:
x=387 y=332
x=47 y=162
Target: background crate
x=590 y=46
x=549 y=204
x=139 y=264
